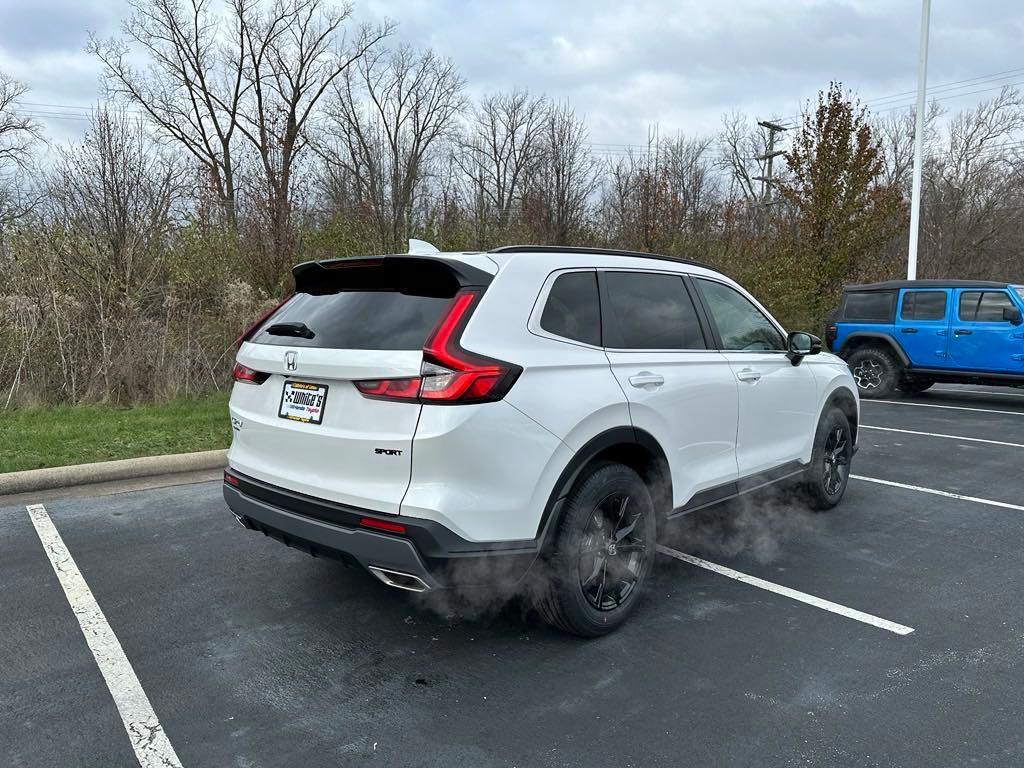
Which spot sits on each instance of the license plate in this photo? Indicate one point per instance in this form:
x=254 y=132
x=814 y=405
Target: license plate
x=303 y=402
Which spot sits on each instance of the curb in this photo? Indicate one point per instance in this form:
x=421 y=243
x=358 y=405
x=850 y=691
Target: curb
x=103 y=471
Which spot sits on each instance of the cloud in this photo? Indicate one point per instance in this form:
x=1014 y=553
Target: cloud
x=625 y=64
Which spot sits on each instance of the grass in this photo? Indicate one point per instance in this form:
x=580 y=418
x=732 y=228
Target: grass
x=32 y=438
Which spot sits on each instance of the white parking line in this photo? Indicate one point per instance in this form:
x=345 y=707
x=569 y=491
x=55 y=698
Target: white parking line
x=948 y=437
x=147 y=737
x=977 y=392
x=803 y=597
x=935 y=492
x=948 y=407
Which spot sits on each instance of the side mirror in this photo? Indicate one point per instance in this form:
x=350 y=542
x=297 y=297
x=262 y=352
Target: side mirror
x=1012 y=314
x=800 y=344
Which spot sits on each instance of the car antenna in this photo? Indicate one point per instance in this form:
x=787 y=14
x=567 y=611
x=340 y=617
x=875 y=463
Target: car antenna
x=421 y=248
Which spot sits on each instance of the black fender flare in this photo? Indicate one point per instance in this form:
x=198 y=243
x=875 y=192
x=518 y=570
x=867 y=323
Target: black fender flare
x=615 y=437
x=874 y=335
x=846 y=401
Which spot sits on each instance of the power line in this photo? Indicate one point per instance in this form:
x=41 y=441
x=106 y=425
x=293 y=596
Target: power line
x=942 y=86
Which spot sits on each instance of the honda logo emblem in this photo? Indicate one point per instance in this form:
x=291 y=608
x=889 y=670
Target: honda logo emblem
x=289 y=360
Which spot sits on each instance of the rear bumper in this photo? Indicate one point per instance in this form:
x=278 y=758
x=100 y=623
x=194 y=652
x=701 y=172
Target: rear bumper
x=431 y=553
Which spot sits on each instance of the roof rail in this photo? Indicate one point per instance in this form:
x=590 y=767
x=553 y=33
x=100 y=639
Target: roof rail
x=598 y=251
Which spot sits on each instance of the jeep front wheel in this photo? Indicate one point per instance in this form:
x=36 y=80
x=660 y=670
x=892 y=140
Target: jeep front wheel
x=875 y=370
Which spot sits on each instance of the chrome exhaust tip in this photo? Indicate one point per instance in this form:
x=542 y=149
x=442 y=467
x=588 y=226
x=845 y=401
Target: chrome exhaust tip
x=399 y=580
x=241 y=521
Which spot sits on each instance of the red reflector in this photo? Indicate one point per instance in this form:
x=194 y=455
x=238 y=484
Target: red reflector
x=247 y=375
x=230 y=479
x=382 y=525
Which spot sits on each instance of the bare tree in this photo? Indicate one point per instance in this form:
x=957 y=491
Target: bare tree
x=258 y=72
x=972 y=199
x=109 y=212
x=498 y=152
x=391 y=111
x=18 y=134
x=743 y=148
x=896 y=133
x=663 y=197
x=193 y=85
x=294 y=53
x=559 y=190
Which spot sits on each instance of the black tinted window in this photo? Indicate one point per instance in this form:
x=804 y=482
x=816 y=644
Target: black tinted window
x=741 y=325
x=923 y=305
x=573 y=309
x=984 y=306
x=357 y=320
x=869 y=306
x=650 y=311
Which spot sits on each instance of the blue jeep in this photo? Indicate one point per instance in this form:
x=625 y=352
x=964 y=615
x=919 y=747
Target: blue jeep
x=910 y=334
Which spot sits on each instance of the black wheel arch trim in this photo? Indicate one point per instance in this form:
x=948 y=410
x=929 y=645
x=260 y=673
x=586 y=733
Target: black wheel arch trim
x=838 y=394
x=845 y=351
x=601 y=443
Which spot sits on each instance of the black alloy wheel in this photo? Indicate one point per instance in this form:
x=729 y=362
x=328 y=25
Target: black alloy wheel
x=612 y=553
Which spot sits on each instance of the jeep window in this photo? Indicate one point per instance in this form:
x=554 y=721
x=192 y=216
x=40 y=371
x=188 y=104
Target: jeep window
x=1020 y=290
x=573 y=309
x=984 y=306
x=869 y=306
x=741 y=325
x=923 y=305
x=649 y=311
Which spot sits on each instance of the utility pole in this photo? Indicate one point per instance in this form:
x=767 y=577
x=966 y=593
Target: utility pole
x=770 y=155
x=915 y=190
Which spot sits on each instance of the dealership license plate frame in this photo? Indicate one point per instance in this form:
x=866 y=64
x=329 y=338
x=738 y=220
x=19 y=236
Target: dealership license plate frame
x=303 y=386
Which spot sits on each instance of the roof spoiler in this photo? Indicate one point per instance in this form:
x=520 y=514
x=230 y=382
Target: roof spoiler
x=406 y=273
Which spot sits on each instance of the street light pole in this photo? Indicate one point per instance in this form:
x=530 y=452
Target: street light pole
x=915 y=191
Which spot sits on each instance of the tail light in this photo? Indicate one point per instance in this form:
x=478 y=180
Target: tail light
x=251 y=330
x=831 y=330
x=390 y=389
x=247 y=375
x=449 y=375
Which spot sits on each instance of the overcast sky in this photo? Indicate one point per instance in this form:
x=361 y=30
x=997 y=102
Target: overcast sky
x=625 y=64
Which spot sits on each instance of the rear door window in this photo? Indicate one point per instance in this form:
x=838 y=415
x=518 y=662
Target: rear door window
x=573 y=308
x=376 y=319
x=649 y=310
x=984 y=306
x=923 y=305
x=869 y=306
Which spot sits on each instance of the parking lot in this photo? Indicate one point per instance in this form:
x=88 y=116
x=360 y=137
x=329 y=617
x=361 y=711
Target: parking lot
x=889 y=631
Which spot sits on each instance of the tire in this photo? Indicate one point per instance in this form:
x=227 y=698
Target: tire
x=829 y=473
x=577 y=595
x=912 y=386
x=875 y=370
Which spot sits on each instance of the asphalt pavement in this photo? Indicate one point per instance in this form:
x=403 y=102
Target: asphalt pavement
x=254 y=655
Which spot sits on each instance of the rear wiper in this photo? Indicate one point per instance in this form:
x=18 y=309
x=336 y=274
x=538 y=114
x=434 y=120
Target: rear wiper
x=291 y=329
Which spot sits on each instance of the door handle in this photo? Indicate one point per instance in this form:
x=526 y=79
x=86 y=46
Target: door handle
x=909 y=330
x=962 y=332
x=646 y=379
x=748 y=374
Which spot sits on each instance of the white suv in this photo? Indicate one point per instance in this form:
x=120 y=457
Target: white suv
x=470 y=418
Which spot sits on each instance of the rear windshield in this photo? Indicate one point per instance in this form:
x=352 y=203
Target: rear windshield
x=869 y=306
x=356 y=320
